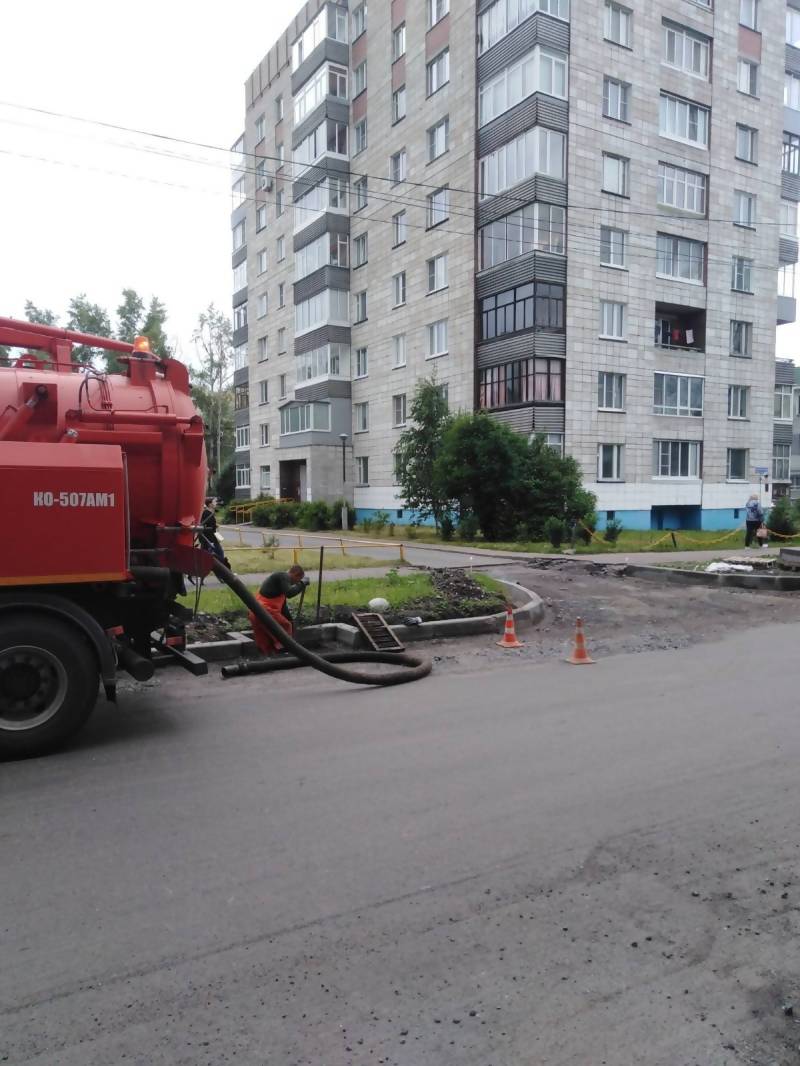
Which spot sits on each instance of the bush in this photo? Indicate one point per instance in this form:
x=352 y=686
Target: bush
x=412 y=531
x=263 y=514
x=285 y=513
x=314 y=515
x=587 y=524
x=612 y=531
x=225 y=485
x=468 y=527
x=447 y=527
x=780 y=518
x=555 y=529
x=380 y=518
x=366 y=525
x=336 y=514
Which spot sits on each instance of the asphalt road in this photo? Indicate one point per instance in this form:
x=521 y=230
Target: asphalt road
x=522 y=864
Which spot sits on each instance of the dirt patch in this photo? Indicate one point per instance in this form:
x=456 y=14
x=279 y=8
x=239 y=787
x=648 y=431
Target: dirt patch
x=455 y=595
x=211 y=627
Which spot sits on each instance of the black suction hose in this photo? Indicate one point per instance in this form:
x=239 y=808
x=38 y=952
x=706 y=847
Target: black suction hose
x=413 y=667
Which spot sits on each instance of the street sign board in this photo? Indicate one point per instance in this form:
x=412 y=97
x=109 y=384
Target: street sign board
x=761 y=469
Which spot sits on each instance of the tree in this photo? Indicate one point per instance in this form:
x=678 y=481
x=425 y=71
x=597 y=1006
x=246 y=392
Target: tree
x=212 y=383
x=153 y=328
x=417 y=451
x=85 y=317
x=41 y=315
x=129 y=316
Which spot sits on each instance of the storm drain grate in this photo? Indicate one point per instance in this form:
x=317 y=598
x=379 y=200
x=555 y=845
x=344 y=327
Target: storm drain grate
x=377 y=632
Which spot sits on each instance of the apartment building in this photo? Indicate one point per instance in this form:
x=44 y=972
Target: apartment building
x=578 y=215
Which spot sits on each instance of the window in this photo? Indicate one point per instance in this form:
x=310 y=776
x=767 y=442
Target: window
x=280 y=249
x=240 y=316
x=748 y=13
x=741 y=338
x=523 y=381
x=537 y=151
x=278 y=109
x=327 y=195
x=783 y=403
x=738 y=401
x=437 y=338
x=362 y=470
x=323 y=308
x=240 y=357
x=612 y=246
x=786 y=280
x=747 y=77
x=437 y=9
x=362 y=362
x=617 y=24
x=240 y=276
x=741 y=274
x=264 y=435
x=615 y=174
x=360 y=250
x=361 y=417
x=438 y=206
x=788 y=219
x=263 y=392
x=360 y=188
x=612 y=320
x=781 y=462
x=535 y=305
x=242 y=476
x=744 y=208
x=263 y=349
x=260 y=128
x=610 y=391
x=676 y=458
x=678 y=394
x=399 y=289
x=737 y=464
x=747 y=143
x=399 y=228
x=282 y=387
x=399 y=409
x=359 y=20
x=438 y=72
x=360 y=131
x=540 y=70
x=679 y=258
x=616 y=99
x=280 y=156
x=683 y=121
x=238 y=193
x=685 y=49
x=505 y=15
x=609 y=462
x=261 y=262
x=360 y=78
x=360 y=307
x=793 y=27
x=261 y=218
x=683 y=189
x=329 y=80
x=398 y=350
x=438 y=139
x=299 y=418
x=398 y=41
x=399 y=104
x=265 y=483
x=282 y=340
x=437 y=273
x=331 y=21
x=238 y=236
x=398 y=166
x=791 y=91
x=540 y=227
x=281 y=294
x=241 y=397
x=329 y=360
x=329 y=137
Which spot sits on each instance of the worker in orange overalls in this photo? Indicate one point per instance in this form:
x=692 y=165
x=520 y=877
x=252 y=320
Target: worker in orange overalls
x=273 y=594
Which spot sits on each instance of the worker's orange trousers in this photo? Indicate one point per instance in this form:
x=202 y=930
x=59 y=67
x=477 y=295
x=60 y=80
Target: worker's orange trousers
x=266 y=642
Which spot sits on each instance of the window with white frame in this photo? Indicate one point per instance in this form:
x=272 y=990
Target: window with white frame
x=264 y=434
x=263 y=392
x=240 y=316
x=682 y=120
x=437 y=272
x=263 y=349
x=609 y=462
x=793 y=27
x=238 y=233
x=331 y=21
x=686 y=49
x=676 y=458
x=261 y=262
x=360 y=78
x=398 y=166
x=360 y=136
x=399 y=104
x=783 y=403
x=362 y=470
x=744 y=208
x=240 y=357
x=238 y=193
x=362 y=362
x=360 y=306
x=786 y=280
x=438 y=209
x=554 y=441
x=360 y=190
x=279 y=106
x=265 y=481
x=540 y=70
x=618 y=24
x=398 y=350
x=241 y=397
x=678 y=394
x=536 y=227
x=329 y=360
x=741 y=338
x=327 y=195
x=437 y=72
x=680 y=258
x=281 y=294
x=300 y=418
x=610 y=391
x=613 y=246
x=328 y=138
x=260 y=129
x=746 y=143
x=398 y=41
x=748 y=13
x=742 y=274
x=281 y=340
x=324 y=308
x=791 y=91
x=747 y=77
x=781 y=462
x=788 y=219
x=399 y=409
x=612 y=320
x=682 y=189
x=505 y=15
x=282 y=387
x=280 y=249
x=361 y=417
x=399 y=228
x=737 y=464
x=738 y=401
x=329 y=80
x=242 y=476
x=360 y=247
x=536 y=151
x=437 y=9
x=438 y=138
x=616 y=174
x=359 y=20
x=261 y=217
x=437 y=338
x=616 y=99
x=240 y=276
x=399 y=289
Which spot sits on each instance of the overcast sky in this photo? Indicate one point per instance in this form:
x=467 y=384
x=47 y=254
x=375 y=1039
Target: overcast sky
x=88 y=209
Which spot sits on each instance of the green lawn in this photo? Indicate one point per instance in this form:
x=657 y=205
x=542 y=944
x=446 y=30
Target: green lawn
x=263 y=560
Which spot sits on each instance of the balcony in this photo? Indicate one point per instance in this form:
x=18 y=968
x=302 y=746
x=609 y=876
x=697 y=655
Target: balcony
x=680 y=329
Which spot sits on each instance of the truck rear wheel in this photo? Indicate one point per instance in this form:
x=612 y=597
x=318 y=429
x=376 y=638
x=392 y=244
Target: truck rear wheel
x=48 y=682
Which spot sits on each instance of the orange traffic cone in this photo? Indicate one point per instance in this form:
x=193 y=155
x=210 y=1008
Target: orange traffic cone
x=510 y=634
x=579 y=653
